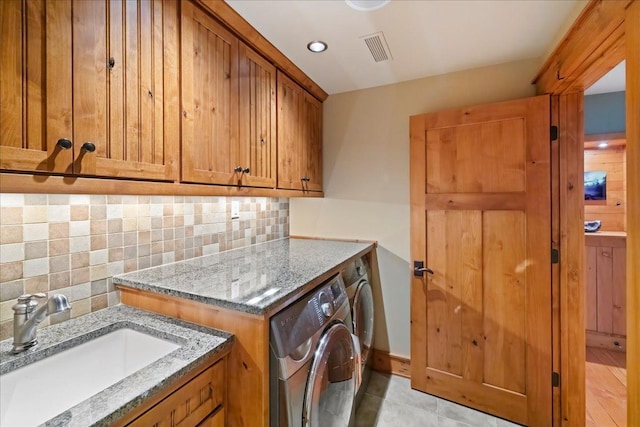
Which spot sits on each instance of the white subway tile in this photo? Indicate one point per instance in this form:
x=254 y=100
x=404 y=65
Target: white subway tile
x=79 y=228
x=59 y=213
x=11 y=200
x=114 y=211
x=98 y=257
x=34 y=232
x=35 y=267
x=79 y=199
x=79 y=244
x=12 y=252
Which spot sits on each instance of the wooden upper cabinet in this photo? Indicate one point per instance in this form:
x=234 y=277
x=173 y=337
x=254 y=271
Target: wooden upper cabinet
x=299 y=137
x=125 y=88
x=257 y=119
x=209 y=100
x=312 y=137
x=35 y=85
x=108 y=85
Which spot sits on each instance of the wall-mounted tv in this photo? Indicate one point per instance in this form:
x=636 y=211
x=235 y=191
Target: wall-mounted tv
x=595 y=185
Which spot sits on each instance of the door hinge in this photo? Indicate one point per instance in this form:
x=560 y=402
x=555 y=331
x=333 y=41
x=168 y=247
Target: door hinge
x=555 y=379
x=554 y=133
x=555 y=256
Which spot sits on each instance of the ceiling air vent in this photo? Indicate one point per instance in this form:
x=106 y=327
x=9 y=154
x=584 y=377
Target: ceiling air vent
x=378 y=46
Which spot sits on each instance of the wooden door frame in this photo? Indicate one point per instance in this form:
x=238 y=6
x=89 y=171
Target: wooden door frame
x=605 y=33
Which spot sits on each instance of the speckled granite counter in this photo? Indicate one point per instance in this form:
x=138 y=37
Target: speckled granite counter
x=197 y=343
x=254 y=279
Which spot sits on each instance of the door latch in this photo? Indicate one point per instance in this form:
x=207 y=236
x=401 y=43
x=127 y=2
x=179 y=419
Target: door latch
x=419 y=269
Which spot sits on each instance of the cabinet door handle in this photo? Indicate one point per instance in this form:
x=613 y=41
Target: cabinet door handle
x=64 y=143
x=237 y=169
x=89 y=147
x=246 y=170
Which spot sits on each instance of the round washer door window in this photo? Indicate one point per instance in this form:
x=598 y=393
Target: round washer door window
x=331 y=386
x=363 y=318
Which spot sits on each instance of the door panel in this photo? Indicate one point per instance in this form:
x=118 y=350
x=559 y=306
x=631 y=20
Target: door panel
x=35 y=85
x=209 y=99
x=291 y=148
x=480 y=209
x=462 y=164
x=124 y=60
x=258 y=119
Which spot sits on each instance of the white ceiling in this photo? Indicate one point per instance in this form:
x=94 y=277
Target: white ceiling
x=425 y=37
x=613 y=81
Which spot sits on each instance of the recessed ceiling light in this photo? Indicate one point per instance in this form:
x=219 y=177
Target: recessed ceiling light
x=603 y=144
x=317 y=46
x=367 y=5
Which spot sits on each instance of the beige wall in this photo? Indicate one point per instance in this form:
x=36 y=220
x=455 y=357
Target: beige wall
x=366 y=174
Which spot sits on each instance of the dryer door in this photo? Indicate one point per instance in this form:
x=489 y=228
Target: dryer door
x=363 y=318
x=332 y=380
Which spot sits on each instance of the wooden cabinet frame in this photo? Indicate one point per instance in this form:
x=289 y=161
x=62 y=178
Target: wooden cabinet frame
x=605 y=33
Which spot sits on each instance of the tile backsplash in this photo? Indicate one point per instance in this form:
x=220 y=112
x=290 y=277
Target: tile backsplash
x=74 y=244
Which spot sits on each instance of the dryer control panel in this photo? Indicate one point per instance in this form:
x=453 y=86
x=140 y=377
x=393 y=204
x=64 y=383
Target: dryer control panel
x=295 y=324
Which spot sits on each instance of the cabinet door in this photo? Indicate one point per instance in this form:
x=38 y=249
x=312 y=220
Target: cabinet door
x=257 y=119
x=291 y=149
x=299 y=137
x=312 y=137
x=125 y=88
x=35 y=85
x=209 y=100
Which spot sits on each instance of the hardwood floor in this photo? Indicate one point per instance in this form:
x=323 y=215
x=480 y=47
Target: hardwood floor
x=606 y=388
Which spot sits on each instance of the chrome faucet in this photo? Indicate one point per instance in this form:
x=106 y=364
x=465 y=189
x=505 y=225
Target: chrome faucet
x=26 y=318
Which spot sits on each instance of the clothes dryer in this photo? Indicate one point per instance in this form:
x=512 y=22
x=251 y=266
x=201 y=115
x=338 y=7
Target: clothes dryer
x=356 y=276
x=314 y=361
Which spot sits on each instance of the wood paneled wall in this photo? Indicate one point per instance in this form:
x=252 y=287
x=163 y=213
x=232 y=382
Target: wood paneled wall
x=611 y=212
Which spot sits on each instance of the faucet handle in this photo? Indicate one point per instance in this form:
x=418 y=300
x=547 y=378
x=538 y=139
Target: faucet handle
x=29 y=297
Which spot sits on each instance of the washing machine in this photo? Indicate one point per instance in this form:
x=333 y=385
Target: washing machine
x=356 y=277
x=314 y=360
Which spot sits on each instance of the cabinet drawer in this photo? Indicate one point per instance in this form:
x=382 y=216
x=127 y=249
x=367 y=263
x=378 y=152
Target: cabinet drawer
x=191 y=403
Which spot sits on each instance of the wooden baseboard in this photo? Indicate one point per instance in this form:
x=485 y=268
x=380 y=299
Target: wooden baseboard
x=609 y=342
x=386 y=362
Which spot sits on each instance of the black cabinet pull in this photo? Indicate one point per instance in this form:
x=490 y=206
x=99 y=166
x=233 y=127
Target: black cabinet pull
x=237 y=169
x=246 y=170
x=64 y=143
x=89 y=147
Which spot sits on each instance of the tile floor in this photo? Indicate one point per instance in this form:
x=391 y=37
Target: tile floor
x=390 y=402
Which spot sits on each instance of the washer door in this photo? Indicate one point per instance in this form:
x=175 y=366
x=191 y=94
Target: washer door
x=363 y=318
x=332 y=384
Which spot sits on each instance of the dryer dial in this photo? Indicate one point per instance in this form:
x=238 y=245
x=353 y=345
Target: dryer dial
x=327 y=309
x=325 y=304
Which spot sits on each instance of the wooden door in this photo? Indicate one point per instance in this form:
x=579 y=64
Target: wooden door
x=312 y=143
x=257 y=119
x=209 y=100
x=125 y=88
x=291 y=149
x=35 y=85
x=480 y=219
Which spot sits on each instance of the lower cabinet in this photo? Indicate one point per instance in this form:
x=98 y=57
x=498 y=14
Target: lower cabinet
x=605 y=289
x=199 y=402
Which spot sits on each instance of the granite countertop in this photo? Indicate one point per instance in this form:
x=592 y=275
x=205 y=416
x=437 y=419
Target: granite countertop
x=197 y=343
x=254 y=279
